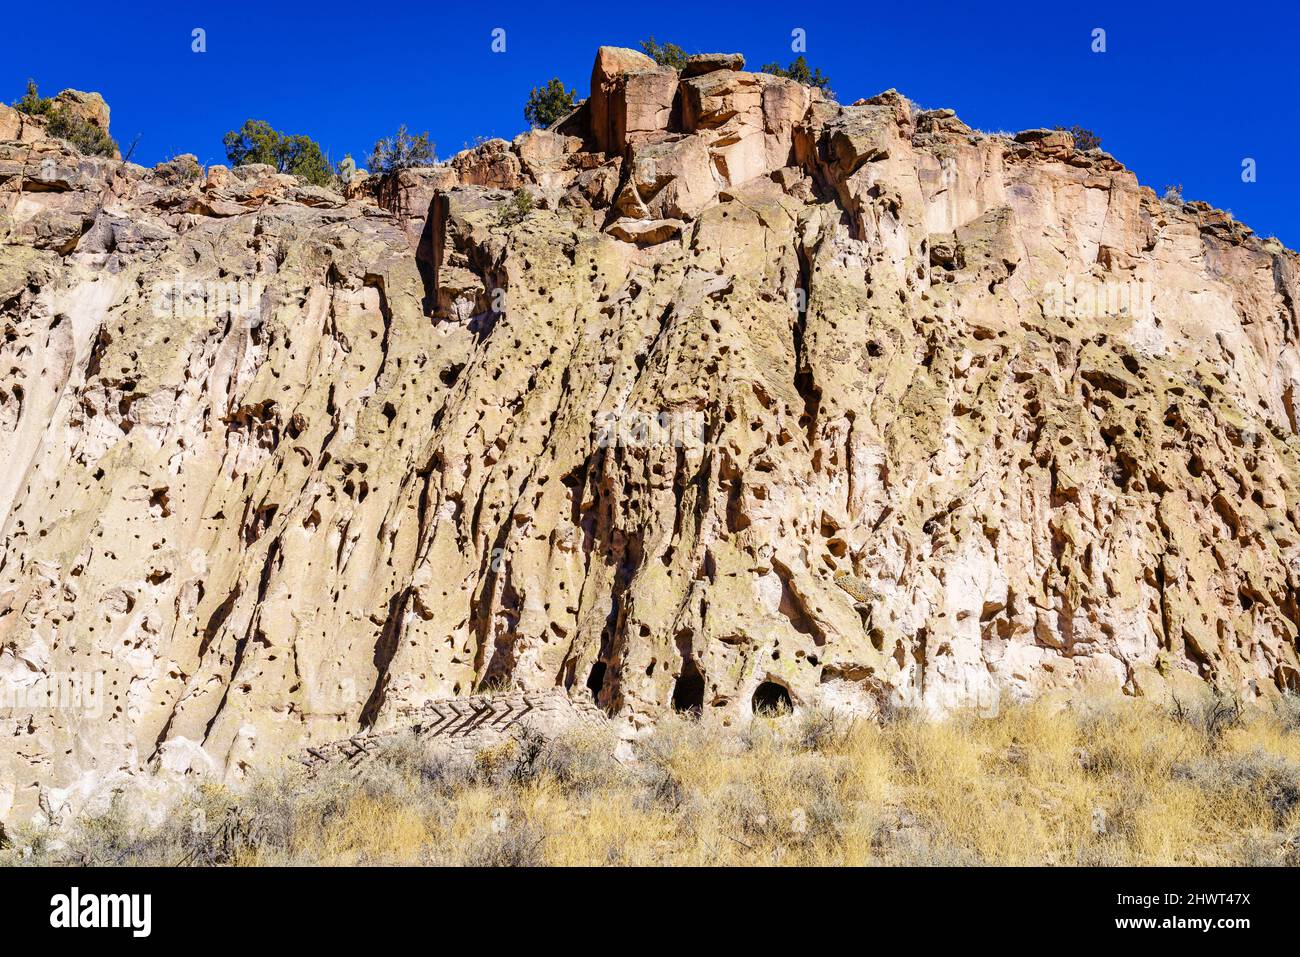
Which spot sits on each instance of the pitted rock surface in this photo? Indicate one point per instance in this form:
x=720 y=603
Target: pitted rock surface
x=762 y=390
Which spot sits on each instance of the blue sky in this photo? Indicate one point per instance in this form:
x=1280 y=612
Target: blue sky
x=1183 y=94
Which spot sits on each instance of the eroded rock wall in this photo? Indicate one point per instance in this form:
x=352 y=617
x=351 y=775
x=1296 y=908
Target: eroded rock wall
x=765 y=392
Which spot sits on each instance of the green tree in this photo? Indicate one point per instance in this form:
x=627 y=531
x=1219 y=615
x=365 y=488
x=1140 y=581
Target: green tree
x=257 y=142
x=403 y=151
x=1084 y=138
x=32 y=103
x=65 y=124
x=670 y=54
x=549 y=103
x=799 y=71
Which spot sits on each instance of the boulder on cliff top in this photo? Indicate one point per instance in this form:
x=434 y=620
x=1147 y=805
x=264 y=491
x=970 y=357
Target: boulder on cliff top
x=89 y=107
x=630 y=94
x=701 y=63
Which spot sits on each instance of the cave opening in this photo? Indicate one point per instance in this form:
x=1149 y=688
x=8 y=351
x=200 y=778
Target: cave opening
x=772 y=698
x=596 y=680
x=688 y=694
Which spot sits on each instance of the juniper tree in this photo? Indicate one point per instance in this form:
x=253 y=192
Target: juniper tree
x=800 y=72
x=549 y=103
x=257 y=142
x=669 y=54
x=402 y=151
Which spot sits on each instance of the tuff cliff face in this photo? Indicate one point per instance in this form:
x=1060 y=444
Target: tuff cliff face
x=766 y=396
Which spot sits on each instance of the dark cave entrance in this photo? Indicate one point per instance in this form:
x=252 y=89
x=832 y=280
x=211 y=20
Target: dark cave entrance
x=772 y=698
x=688 y=694
x=596 y=680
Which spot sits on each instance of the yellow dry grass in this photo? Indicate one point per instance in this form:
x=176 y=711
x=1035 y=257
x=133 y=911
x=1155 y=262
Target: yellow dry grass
x=1121 y=782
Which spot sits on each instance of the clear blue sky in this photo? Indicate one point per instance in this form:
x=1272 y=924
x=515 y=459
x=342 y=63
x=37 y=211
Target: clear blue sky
x=1183 y=93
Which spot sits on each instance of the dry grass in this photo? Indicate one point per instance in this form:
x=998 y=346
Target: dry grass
x=1118 y=782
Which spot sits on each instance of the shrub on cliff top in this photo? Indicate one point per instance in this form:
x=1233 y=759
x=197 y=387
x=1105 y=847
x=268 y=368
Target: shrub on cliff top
x=1084 y=138
x=516 y=208
x=402 y=151
x=549 y=103
x=65 y=124
x=669 y=54
x=799 y=71
x=257 y=142
x=32 y=103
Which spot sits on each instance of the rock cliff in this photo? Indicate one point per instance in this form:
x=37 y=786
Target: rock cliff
x=765 y=398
